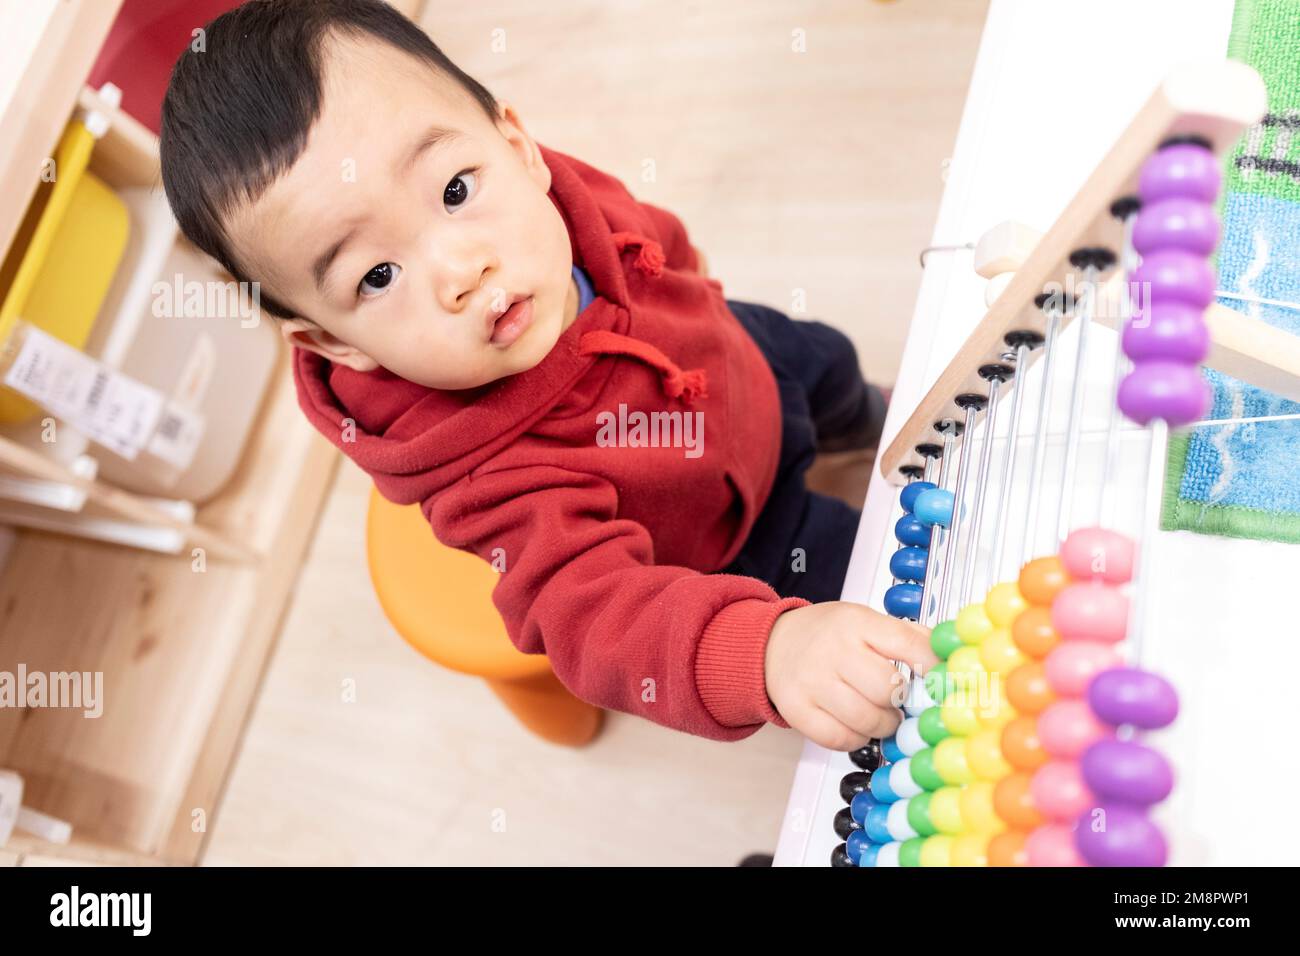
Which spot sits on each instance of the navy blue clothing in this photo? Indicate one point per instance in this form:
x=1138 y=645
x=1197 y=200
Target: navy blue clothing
x=585 y=290
x=823 y=395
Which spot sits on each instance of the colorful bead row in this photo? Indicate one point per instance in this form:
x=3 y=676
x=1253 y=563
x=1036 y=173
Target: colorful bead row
x=1175 y=232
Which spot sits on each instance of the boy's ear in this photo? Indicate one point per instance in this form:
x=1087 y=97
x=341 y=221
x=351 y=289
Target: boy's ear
x=303 y=334
x=512 y=128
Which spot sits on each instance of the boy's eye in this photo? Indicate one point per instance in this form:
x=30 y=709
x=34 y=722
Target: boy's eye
x=379 y=278
x=459 y=189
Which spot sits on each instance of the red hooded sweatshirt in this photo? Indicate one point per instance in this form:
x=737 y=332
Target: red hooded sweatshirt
x=607 y=550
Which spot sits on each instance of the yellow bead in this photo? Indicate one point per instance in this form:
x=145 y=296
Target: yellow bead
x=950 y=763
x=977 y=813
x=972 y=624
x=971 y=849
x=965 y=662
x=960 y=718
x=937 y=851
x=945 y=810
x=995 y=709
x=1004 y=603
x=999 y=654
x=984 y=755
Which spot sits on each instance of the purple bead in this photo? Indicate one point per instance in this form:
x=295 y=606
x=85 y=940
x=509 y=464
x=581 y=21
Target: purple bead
x=1162 y=389
x=1174 y=276
x=1170 y=330
x=1129 y=695
x=1184 y=171
x=1186 y=224
x=1126 y=772
x=1119 y=834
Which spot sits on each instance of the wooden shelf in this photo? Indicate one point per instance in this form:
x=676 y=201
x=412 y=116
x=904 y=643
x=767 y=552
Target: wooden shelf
x=181 y=640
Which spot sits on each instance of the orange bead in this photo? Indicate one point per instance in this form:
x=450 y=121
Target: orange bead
x=1033 y=632
x=1028 y=689
x=1013 y=801
x=1041 y=579
x=1021 y=746
x=1008 y=849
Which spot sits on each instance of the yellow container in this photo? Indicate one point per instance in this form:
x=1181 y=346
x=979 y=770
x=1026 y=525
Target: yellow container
x=62 y=260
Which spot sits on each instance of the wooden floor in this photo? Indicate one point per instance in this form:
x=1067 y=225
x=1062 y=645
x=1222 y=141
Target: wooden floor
x=817 y=171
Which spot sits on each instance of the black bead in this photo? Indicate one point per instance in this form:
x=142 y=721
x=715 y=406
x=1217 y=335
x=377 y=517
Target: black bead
x=840 y=856
x=854 y=783
x=869 y=757
x=845 y=824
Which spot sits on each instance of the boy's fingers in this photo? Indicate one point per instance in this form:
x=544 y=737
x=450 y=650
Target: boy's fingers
x=856 y=712
x=823 y=729
x=873 y=677
x=902 y=642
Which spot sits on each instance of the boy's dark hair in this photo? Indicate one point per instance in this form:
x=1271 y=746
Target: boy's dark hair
x=237 y=111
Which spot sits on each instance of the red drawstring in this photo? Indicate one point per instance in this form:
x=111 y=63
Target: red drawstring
x=687 y=385
x=650 y=259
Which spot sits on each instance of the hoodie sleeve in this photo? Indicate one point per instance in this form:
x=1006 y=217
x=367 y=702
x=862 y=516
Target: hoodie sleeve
x=579 y=584
x=671 y=234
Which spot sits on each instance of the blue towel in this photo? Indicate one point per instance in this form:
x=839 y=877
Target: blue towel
x=1241 y=480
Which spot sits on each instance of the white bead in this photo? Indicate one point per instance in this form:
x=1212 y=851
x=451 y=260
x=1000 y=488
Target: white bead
x=909 y=737
x=900 y=779
x=896 y=823
x=888 y=855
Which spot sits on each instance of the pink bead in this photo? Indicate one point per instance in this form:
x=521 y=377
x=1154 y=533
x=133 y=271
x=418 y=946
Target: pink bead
x=1090 y=611
x=1052 y=845
x=1059 y=790
x=1068 y=727
x=1098 y=553
x=1073 y=664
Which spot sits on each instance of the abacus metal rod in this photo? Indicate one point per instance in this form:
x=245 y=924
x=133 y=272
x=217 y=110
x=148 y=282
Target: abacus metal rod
x=936 y=530
x=982 y=482
x=1088 y=301
x=954 y=533
x=1008 y=466
x=1040 y=435
x=1155 y=488
x=1105 y=498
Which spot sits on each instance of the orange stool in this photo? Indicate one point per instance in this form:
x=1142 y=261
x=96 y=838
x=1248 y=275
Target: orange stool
x=440 y=600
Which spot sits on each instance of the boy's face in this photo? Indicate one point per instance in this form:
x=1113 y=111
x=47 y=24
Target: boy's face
x=398 y=250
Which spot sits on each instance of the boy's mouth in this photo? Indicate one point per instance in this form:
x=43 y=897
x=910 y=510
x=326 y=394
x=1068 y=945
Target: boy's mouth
x=512 y=323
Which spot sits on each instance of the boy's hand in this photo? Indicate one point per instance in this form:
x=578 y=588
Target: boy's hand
x=829 y=674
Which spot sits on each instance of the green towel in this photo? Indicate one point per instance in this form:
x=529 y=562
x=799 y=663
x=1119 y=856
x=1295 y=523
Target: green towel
x=1240 y=480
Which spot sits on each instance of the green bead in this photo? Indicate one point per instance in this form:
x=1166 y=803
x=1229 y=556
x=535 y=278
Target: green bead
x=931 y=725
x=935 y=681
x=944 y=639
x=909 y=854
x=923 y=772
x=918 y=812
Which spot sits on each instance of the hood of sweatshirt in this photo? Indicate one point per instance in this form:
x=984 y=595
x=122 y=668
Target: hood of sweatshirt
x=415 y=441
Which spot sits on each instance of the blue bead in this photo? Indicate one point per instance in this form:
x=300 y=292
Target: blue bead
x=935 y=507
x=907 y=497
x=908 y=564
x=889 y=747
x=904 y=600
x=880 y=788
x=861 y=806
x=910 y=531
x=869 y=853
x=855 y=844
x=877 y=826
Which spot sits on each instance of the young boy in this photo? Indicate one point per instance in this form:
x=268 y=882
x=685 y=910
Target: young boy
x=502 y=333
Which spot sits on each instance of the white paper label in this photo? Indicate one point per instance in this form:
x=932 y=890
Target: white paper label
x=177 y=437
x=108 y=407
